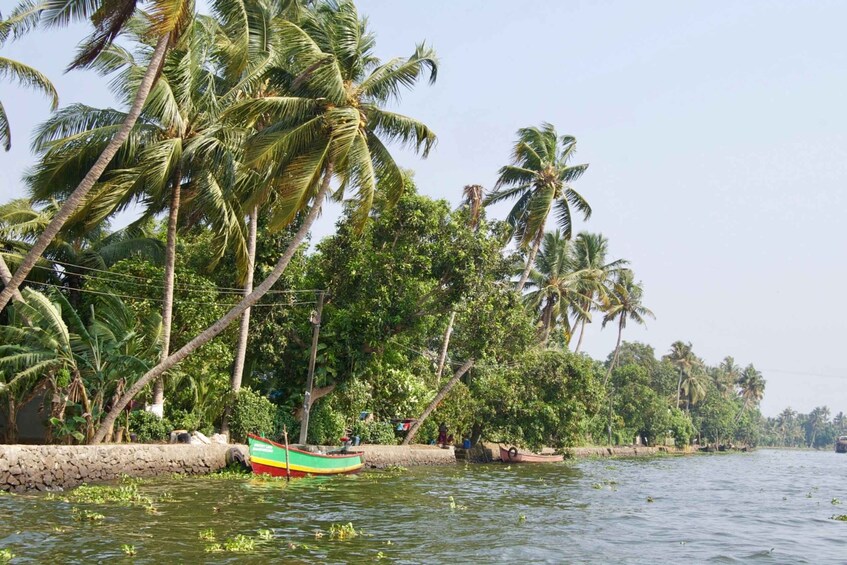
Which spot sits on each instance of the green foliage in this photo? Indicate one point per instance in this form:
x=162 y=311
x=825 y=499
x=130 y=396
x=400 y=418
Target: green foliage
x=375 y=432
x=183 y=419
x=326 y=426
x=148 y=427
x=284 y=419
x=251 y=413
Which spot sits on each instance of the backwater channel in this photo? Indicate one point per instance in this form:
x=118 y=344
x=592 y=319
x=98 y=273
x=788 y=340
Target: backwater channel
x=767 y=506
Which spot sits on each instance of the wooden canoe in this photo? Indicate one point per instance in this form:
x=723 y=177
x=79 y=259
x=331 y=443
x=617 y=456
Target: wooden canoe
x=268 y=458
x=512 y=455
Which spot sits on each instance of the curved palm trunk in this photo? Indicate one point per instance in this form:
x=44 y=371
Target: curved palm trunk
x=546 y=321
x=6 y=276
x=437 y=400
x=617 y=350
x=158 y=407
x=77 y=197
x=443 y=356
x=209 y=333
x=678 y=388
x=244 y=329
x=581 y=335
x=536 y=245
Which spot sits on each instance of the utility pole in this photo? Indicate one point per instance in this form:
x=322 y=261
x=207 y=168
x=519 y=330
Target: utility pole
x=307 y=402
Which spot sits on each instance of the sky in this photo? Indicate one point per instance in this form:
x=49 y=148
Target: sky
x=715 y=134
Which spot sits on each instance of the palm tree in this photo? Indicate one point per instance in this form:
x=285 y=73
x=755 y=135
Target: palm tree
x=786 y=421
x=817 y=421
x=687 y=364
x=25 y=75
x=165 y=20
x=539 y=177
x=751 y=387
x=185 y=159
x=327 y=125
x=557 y=285
x=472 y=196
x=727 y=375
x=623 y=302
x=590 y=251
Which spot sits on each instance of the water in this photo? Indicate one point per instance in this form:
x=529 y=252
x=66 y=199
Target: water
x=767 y=506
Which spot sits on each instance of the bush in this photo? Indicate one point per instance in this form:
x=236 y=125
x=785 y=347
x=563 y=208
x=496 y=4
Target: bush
x=284 y=418
x=185 y=420
x=252 y=413
x=148 y=427
x=326 y=426
x=381 y=433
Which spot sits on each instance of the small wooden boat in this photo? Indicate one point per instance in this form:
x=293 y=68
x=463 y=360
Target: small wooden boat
x=841 y=444
x=269 y=458
x=512 y=455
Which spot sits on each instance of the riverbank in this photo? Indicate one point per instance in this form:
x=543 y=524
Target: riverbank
x=55 y=467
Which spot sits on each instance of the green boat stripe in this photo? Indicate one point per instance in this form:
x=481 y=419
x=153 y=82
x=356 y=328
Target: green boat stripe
x=305 y=468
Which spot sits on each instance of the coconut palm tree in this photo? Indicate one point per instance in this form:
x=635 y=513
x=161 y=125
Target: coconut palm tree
x=14 y=71
x=727 y=375
x=329 y=124
x=751 y=387
x=558 y=286
x=165 y=20
x=787 y=423
x=622 y=302
x=688 y=366
x=590 y=251
x=539 y=177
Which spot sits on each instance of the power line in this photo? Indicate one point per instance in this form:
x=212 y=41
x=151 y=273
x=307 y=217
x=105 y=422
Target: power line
x=218 y=289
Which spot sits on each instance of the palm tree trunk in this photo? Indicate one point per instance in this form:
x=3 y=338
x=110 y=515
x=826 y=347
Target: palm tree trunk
x=209 y=333
x=546 y=321
x=244 y=330
x=158 y=407
x=443 y=356
x=12 y=424
x=617 y=350
x=77 y=197
x=678 y=388
x=531 y=259
x=581 y=335
x=6 y=276
x=437 y=400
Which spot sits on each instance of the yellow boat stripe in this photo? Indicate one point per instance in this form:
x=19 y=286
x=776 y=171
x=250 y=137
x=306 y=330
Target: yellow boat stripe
x=304 y=468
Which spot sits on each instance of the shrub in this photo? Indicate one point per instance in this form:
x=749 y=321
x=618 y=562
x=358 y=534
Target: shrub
x=381 y=433
x=185 y=420
x=251 y=413
x=148 y=427
x=284 y=418
x=326 y=426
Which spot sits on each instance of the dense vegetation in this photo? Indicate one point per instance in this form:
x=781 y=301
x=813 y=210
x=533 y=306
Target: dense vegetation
x=249 y=119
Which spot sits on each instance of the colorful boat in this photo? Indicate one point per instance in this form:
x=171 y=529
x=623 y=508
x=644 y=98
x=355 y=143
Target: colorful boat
x=268 y=458
x=512 y=455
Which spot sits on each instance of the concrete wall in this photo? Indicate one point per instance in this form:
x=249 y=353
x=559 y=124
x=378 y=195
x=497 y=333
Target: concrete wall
x=45 y=467
x=406 y=455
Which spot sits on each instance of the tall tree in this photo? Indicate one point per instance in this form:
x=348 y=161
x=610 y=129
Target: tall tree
x=166 y=20
x=539 y=177
x=751 y=387
x=328 y=125
x=11 y=70
x=623 y=302
x=686 y=363
x=590 y=251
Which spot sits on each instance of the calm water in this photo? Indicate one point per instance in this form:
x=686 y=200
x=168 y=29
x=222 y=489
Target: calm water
x=767 y=506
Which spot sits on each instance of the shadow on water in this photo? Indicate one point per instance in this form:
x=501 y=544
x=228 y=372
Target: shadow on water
x=767 y=506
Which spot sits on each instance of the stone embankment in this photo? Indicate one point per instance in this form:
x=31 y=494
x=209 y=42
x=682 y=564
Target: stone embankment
x=380 y=456
x=50 y=467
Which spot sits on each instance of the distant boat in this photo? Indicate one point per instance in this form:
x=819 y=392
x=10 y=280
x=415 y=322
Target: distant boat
x=269 y=458
x=512 y=455
x=841 y=444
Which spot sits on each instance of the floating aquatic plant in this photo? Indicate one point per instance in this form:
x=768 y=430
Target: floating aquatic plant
x=521 y=518
x=650 y=499
x=265 y=535
x=128 y=549
x=454 y=506
x=240 y=544
x=214 y=548
x=124 y=494
x=6 y=555
x=342 y=532
x=207 y=535
x=839 y=517
x=597 y=486
x=86 y=515
x=835 y=501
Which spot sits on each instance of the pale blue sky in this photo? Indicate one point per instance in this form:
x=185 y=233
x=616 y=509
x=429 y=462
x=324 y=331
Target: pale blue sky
x=715 y=134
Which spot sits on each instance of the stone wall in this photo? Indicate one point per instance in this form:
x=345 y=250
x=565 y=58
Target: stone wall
x=47 y=467
x=380 y=456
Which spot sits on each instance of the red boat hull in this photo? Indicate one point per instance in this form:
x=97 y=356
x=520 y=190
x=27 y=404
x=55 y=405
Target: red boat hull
x=515 y=456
